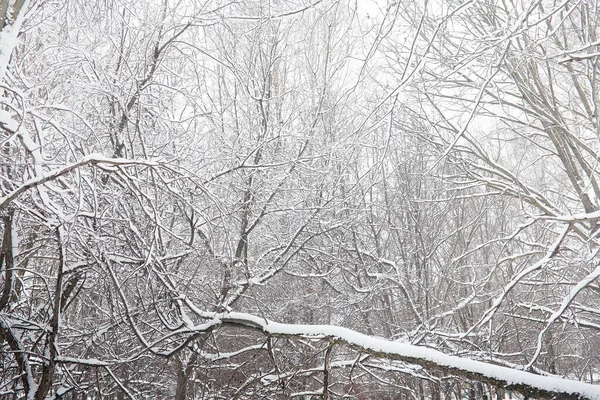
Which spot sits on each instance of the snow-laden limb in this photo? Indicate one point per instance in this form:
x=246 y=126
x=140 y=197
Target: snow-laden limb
x=92 y=159
x=572 y=319
x=579 y=57
x=119 y=383
x=529 y=384
x=573 y=218
x=90 y=362
x=499 y=299
x=575 y=290
x=8 y=36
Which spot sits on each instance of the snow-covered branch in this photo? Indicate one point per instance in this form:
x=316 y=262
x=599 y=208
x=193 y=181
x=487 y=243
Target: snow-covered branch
x=92 y=159
x=529 y=384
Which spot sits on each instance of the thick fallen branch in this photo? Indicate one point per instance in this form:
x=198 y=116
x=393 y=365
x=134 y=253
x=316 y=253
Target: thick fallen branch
x=528 y=384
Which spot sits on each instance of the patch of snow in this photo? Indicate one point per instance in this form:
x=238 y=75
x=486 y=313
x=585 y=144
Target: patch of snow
x=7 y=121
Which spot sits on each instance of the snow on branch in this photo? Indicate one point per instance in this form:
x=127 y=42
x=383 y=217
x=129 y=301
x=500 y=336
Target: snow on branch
x=8 y=35
x=92 y=159
x=526 y=383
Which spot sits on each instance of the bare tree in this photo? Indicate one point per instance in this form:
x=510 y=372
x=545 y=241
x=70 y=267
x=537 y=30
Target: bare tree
x=408 y=188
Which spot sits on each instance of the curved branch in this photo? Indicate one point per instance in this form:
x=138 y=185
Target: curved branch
x=92 y=159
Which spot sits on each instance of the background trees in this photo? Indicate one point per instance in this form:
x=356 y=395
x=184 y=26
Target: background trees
x=175 y=175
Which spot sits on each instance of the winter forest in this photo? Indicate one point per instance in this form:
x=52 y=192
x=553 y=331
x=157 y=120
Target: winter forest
x=300 y=199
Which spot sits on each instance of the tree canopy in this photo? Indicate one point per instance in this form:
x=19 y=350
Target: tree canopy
x=299 y=199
